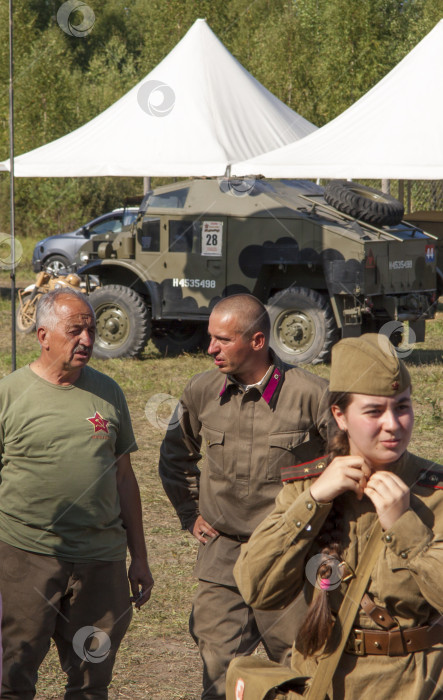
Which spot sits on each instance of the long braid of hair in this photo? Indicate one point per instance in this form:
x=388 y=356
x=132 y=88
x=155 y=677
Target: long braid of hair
x=317 y=625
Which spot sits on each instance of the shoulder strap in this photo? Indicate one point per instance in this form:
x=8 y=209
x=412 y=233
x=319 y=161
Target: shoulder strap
x=346 y=615
x=307 y=470
x=432 y=478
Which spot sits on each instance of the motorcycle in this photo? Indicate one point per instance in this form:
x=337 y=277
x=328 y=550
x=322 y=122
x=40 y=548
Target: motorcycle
x=45 y=282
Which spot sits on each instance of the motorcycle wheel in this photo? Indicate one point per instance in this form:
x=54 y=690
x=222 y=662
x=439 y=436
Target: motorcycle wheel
x=25 y=320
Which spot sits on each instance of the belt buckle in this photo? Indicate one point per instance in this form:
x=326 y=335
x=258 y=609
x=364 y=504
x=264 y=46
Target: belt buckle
x=346 y=571
x=357 y=642
x=241 y=538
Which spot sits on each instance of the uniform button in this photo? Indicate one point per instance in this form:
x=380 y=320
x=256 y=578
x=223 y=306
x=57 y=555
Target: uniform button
x=309 y=506
x=298 y=523
x=404 y=555
x=388 y=538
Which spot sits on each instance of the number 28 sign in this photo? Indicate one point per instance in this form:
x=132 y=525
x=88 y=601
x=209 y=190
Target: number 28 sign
x=212 y=237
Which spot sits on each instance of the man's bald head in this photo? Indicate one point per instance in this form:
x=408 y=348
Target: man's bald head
x=250 y=314
x=239 y=331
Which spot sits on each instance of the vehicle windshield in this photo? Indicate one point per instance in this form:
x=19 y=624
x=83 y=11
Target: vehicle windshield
x=168 y=200
x=128 y=217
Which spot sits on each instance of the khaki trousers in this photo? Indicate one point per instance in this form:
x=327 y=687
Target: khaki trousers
x=84 y=608
x=224 y=626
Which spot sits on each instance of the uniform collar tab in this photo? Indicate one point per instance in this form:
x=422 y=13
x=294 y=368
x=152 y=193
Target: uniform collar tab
x=272 y=385
x=223 y=389
x=275 y=378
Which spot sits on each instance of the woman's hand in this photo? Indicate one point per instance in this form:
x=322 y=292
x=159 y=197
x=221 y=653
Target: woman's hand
x=390 y=496
x=348 y=473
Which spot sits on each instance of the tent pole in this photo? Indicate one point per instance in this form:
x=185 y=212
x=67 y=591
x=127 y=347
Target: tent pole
x=409 y=199
x=11 y=156
x=401 y=191
x=386 y=186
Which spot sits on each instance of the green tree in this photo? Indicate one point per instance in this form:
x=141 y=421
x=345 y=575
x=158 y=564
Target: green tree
x=318 y=56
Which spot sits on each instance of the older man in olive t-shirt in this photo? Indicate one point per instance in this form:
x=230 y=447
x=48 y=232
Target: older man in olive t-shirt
x=69 y=507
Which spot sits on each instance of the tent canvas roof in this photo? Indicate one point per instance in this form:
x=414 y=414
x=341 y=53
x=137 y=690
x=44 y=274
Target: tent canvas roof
x=194 y=114
x=394 y=131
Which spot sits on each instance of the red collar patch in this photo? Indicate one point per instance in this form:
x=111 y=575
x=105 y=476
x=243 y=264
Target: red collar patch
x=99 y=423
x=272 y=385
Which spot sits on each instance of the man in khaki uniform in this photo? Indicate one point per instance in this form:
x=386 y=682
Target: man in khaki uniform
x=401 y=640
x=255 y=416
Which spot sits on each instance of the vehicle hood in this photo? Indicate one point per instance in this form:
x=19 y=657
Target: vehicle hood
x=71 y=234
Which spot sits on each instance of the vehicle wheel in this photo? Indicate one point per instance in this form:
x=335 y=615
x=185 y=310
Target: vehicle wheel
x=25 y=320
x=123 y=322
x=303 y=328
x=180 y=336
x=393 y=330
x=364 y=203
x=56 y=263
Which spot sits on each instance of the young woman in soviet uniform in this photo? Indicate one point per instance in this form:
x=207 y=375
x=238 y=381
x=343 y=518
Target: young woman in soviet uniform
x=323 y=516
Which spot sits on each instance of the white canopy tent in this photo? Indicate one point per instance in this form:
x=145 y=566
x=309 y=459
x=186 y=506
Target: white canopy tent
x=394 y=131
x=194 y=114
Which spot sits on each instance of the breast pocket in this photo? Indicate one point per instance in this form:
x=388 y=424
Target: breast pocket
x=214 y=442
x=296 y=447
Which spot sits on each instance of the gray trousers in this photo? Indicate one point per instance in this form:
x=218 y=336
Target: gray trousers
x=84 y=608
x=224 y=626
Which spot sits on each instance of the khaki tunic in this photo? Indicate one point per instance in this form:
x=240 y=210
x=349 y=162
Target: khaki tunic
x=407 y=579
x=249 y=436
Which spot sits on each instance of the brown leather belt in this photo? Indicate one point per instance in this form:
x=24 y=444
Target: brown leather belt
x=395 y=642
x=237 y=538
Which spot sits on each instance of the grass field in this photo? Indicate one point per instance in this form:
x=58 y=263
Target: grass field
x=158 y=659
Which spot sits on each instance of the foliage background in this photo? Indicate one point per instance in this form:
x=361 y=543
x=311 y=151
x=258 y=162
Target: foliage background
x=318 y=56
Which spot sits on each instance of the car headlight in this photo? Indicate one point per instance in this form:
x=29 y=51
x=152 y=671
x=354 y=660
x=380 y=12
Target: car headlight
x=84 y=257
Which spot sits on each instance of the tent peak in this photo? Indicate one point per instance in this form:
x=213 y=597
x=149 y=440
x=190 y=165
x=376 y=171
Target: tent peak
x=394 y=131
x=195 y=113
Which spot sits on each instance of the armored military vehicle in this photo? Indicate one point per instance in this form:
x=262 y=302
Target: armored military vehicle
x=323 y=273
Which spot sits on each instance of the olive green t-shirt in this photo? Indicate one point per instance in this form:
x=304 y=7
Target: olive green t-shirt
x=58 y=488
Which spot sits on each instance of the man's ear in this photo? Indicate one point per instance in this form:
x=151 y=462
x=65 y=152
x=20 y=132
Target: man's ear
x=340 y=417
x=43 y=337
x=258 y=341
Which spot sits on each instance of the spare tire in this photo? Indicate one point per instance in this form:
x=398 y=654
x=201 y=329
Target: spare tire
x=364 y=203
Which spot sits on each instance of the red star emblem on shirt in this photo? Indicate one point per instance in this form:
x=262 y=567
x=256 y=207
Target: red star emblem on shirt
x=99 y=423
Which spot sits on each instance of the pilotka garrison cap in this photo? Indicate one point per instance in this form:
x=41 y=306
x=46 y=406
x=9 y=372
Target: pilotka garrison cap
x=368 y=365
